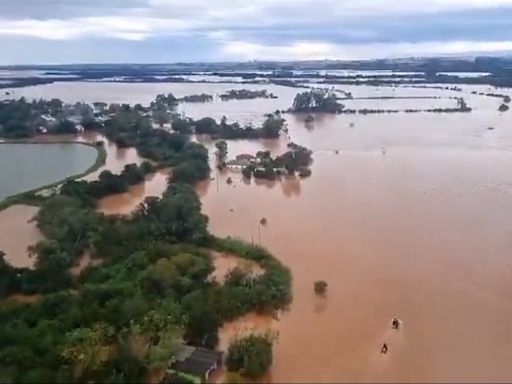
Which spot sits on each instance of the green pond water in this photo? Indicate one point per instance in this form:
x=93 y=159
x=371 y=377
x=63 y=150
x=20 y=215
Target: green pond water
x=27 y=166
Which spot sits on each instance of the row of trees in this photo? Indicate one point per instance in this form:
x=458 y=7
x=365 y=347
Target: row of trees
x=21 y=119
x=317 y=100
x=107 y=183
x=127 y=126
x=246 y=94
x=270 y=129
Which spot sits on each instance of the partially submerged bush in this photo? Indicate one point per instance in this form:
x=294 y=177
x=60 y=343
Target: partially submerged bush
x=320 y=287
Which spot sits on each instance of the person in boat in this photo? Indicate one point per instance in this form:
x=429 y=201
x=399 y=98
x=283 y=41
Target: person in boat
x=384 y=349
x=396 y=323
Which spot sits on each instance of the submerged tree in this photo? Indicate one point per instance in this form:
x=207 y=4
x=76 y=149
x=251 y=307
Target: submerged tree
x=320 y=287
x=222 y=152
x=317 y=100
x=251 y=355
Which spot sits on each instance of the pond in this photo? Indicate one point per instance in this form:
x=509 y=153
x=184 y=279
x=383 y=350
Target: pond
x=31 y=165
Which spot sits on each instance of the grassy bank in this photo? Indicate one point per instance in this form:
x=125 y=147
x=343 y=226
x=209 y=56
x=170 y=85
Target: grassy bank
x=30 y=197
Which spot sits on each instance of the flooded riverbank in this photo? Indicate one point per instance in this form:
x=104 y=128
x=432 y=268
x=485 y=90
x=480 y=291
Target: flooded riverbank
x=17 y=233
x=404 y=215
x=125 y=203
x=413 y=234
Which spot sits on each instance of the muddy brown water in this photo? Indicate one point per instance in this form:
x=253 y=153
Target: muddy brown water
x=17 y=232
x=125 y=203
x=223 y=263
x=411 y=218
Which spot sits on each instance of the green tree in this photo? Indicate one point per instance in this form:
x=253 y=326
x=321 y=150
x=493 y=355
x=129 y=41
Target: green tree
x=161 y=117
x=206 y=125
x=87 y=350
x=64 y=126
x=272 y=126
x=16 y=130
x=9 y=279
x=183 y=126
x=250 y=356
x=222 y=149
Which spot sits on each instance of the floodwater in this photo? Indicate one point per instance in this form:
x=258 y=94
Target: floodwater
x=27 y=166
x=419 y=230
x=243 y=111
x=17 y=233
x=84 y=261
x=404 y=215
x=223 y=263
x=124 y=203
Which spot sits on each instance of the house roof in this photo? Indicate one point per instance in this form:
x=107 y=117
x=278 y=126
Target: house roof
x=197 y=361
x=245 y=156
x=241 y=163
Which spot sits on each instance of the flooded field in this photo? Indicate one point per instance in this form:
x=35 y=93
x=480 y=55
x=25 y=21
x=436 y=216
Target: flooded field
x=223 y=263
x=125 y=203
x=244 y=111
x=411 y=218
x=17 y=232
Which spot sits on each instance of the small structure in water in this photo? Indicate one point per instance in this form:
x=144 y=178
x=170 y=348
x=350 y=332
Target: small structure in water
x=384 y=349
x=237 y=165
x=195 y=362
x=396 y=323
x=309 y=119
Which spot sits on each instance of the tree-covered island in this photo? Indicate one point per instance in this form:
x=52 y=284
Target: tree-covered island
x=126 y=318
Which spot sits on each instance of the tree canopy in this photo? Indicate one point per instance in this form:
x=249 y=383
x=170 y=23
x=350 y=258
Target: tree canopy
x=250 y=355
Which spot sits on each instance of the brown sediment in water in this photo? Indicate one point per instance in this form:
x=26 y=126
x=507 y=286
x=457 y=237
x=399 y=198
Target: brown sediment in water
x=117 y=158
x=84 y=261
x=422 y=233
x=17 y=233
x=125 y=203
x=224 y=262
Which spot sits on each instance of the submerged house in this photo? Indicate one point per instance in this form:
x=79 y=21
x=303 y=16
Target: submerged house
x=246 y=156
x=196 y=362
x=238 y=164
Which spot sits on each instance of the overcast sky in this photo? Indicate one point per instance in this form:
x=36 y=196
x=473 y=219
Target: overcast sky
x=161 y=31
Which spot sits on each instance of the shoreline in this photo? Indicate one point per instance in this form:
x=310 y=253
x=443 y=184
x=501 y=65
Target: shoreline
x=29 y=197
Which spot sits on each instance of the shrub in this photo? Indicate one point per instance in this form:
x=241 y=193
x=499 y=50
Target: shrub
x=320 y=287
x=250 y=356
